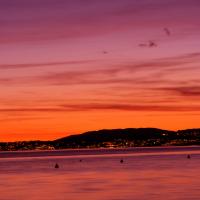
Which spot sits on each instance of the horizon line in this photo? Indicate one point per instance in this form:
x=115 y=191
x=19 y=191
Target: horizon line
x=175 y=130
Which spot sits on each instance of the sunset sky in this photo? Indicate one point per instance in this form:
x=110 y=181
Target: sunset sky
x=69 y=66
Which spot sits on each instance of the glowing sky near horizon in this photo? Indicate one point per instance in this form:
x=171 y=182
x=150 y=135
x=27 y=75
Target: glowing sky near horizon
x=69 y=66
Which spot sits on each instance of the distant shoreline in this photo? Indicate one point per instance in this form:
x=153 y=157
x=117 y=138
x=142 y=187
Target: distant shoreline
x=99 y=151
x=112 y=139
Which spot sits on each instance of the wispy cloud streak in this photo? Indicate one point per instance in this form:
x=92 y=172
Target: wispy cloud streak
x=47 y=64
x=105 y=106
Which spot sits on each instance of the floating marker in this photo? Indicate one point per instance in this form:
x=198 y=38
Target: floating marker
x=56 y=166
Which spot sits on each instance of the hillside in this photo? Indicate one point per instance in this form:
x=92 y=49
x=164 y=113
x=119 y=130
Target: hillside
x=113 y=138
x=130 y=137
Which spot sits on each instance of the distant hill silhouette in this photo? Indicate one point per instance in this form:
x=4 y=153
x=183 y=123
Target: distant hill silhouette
x=130 y=137
x=112 y=138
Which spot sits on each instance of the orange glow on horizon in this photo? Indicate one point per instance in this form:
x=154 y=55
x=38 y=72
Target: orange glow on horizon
x=72 y=67
x=76 y=123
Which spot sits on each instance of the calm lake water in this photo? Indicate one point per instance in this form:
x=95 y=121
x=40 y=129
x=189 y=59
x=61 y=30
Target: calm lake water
x=145 y=174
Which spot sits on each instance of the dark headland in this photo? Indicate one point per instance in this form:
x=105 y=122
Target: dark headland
x=113 y=138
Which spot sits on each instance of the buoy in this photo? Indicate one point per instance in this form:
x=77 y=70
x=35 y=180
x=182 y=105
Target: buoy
x=56 y=166
x=121 y=161
x=188 y=156
x=80 y=160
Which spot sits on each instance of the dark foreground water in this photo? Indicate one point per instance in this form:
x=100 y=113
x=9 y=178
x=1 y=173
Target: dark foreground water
x=145 y=174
